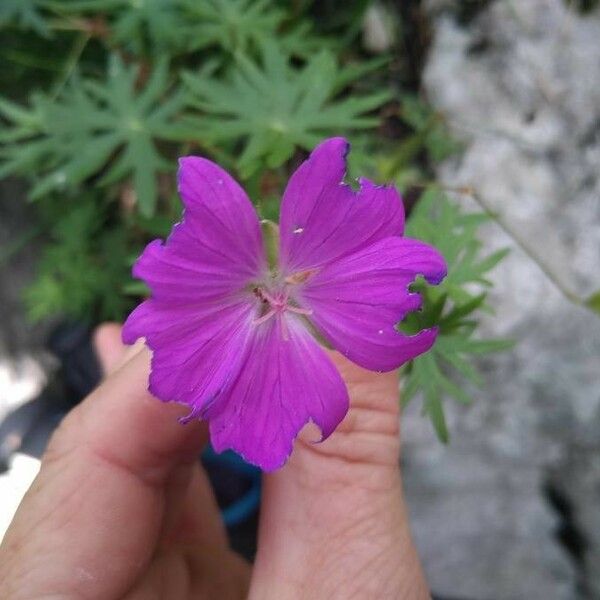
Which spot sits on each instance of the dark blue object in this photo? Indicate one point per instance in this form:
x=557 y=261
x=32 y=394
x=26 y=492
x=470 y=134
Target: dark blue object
x=245 y=505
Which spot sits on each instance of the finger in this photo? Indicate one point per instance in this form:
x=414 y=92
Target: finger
x=200 y=543
x=368 y=438
x=100 y=498
x=122 y=423
x=193 y=522
x=108 y=346
x=337 y=506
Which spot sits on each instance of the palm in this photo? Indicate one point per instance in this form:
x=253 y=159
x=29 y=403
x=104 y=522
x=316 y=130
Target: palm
x=123 y=503
x=191 y=558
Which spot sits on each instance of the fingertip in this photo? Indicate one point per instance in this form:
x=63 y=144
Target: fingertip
x=122 y=419
x=109 y=348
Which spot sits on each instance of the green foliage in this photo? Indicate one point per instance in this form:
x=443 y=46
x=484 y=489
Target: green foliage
x=448 y=369
x=240 y=26
x=272 y=107
x=117 y=114
x=428 y=138
x=93 y=116
x=153 y=27
x=234 y=25
x=140 y=26
x=25 y=14
x=452 y=306
x=82 y=267
x=106 y=129
x=429 y=126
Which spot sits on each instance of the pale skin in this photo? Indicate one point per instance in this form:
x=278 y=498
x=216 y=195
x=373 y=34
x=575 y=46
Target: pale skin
x=121 y=509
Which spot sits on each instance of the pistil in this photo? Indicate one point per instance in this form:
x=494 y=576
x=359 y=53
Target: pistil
x=278 y=304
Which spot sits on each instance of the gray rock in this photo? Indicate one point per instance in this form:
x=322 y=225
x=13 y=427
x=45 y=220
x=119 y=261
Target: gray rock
x=521 y=86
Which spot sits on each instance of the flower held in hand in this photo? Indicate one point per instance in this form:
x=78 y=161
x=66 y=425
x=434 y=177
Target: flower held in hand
x=232 y=338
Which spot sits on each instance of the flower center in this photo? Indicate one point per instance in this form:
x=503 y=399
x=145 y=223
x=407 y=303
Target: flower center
x=277 y=302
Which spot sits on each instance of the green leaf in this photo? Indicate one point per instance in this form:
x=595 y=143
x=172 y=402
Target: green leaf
x=349 y=73
x=241 y=26
x=457 y=392
x=488 y=263
x=95 y=127
x=430 y=378
x=435 y=410
x=464 y=344
x=453 y=305
x=234 y=25
x=447 y=352
x=409 y=389
x=143 y=26
x=414 y=112
x=272 y=107
x=136 y=288
x=83 y=267
x=593 y=302
x=434 y=216
x=25 y=14
x=462 y=310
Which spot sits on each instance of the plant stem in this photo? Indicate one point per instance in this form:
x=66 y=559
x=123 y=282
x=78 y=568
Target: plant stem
x=530 y=252
x=525 y=247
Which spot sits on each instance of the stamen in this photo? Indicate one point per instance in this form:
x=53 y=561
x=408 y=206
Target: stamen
x=265 y=317
x=300 y=277
x=272 y=301
x=300 y=311
x=278 y=304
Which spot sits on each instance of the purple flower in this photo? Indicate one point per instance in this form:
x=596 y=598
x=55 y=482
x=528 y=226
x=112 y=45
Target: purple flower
x=233 y=339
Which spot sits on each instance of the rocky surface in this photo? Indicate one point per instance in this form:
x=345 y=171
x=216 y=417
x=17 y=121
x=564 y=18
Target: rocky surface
x=23 y=361
x=511 y=509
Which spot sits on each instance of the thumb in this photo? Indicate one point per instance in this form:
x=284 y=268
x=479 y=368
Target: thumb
x=337 y=507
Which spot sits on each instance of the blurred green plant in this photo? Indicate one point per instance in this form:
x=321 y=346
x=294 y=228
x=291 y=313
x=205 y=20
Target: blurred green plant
x=273 y=108
x=84 y=262
x=254 y=84
x=93 y=128
x=240 y=26
x=452 y=306
x=139 y=26
x=426 y=141
x=25 y=14
x=450 y=368
x=234 y=25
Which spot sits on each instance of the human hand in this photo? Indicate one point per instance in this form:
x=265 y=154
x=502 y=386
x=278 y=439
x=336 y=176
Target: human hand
x=122 y=509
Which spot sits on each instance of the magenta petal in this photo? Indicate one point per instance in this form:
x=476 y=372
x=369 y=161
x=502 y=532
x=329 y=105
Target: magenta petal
x=220 y=225
x=282 y=385
x=197 y=349
x=358 y=300
x=198 y=320
x=216 y=250
x=229 y=338
x=323 y=219
x=180 y=271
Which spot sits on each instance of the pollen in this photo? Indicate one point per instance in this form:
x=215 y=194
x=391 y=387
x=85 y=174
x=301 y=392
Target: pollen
x=300 y=276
